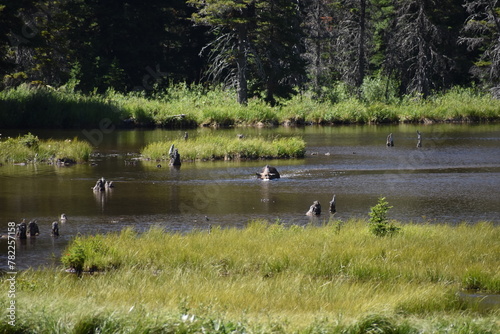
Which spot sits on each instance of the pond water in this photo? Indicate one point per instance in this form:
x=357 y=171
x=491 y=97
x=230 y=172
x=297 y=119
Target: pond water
x=454 y=177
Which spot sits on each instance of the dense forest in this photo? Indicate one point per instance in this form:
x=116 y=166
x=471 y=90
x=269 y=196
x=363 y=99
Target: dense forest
x=268 y=49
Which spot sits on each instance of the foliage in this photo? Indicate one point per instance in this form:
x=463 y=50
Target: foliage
x=379 y=224
x=193 y=105
x=272 y=49
x=75 y=257
x=28 y=148
x=482 y=32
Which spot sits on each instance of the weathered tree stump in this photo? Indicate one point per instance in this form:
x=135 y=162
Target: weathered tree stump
x=314 y=209
x=390 y=140
x=175 y=157
x=21 y=230
x=103 y=185
x=33 y=228
x=419 y=139
x=332 y=205
x=55 y=229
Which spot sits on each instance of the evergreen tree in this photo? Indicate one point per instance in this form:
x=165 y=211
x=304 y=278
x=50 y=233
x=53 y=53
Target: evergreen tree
x=482 y=32
x=258 y=41
x=231 y=20
x=277 y=42
x=319 y=36
x=415 y=54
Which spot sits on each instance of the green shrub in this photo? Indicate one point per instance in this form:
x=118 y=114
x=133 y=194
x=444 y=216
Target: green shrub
x=74 y=257
x=379 y=225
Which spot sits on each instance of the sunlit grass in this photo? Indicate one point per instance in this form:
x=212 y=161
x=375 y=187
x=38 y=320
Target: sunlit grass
x=214 y=146
x=269 y=277
x=29 y=148
x=190 y=106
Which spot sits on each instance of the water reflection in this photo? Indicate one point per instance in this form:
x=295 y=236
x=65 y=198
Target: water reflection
x=454 y=177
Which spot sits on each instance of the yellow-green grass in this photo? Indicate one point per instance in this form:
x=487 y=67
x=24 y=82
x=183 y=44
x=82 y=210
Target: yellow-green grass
x=268 y=277
x=215 y=146
x=29 y=148
x=191 y=106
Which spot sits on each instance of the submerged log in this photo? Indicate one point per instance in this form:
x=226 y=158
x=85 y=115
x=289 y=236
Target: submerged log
x=268 y=173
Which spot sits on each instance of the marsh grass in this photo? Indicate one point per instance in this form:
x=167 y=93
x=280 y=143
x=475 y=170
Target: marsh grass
x=269 y=278
x=31 y=107
x=215 y=147
x=190 y=106
x=29 y=148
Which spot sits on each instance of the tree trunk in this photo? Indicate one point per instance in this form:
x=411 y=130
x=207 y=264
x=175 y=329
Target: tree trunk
x=361 y=47
x=241 y=63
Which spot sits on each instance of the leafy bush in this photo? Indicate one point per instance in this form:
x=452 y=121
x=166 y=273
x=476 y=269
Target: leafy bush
x=379 y=225
x=74 y=257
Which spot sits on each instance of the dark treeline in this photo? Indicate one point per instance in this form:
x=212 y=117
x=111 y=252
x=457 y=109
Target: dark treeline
x=268 y=49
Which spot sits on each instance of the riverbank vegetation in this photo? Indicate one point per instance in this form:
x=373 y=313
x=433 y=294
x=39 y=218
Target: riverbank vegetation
x=217 y=147
x=183 y=106
x=30 y=149
x=268 y=277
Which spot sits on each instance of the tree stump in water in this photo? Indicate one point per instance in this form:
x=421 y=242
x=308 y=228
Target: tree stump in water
x=175 y=157
x=390 y=141
x=314 y=209
x=55 y=229
x=419 y=139
x=332 y=205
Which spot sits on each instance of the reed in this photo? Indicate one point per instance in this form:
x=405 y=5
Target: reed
x=30 y=149
x=214 y=147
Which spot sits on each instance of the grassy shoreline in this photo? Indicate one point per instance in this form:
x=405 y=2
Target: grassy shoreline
x=336 y=278
x=184 y=107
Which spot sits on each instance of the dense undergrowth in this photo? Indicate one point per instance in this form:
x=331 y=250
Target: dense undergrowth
x=182 y=106
x=267 y=278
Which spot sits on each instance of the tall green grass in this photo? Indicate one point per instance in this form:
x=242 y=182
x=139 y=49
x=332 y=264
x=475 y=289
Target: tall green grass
x=29 y=148
x=336 y=278
x=190 y=106
x=223 y=147
x=422 y=254
x=31 y=107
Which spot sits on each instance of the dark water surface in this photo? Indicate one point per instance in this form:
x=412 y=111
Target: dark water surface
x=454 y=177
